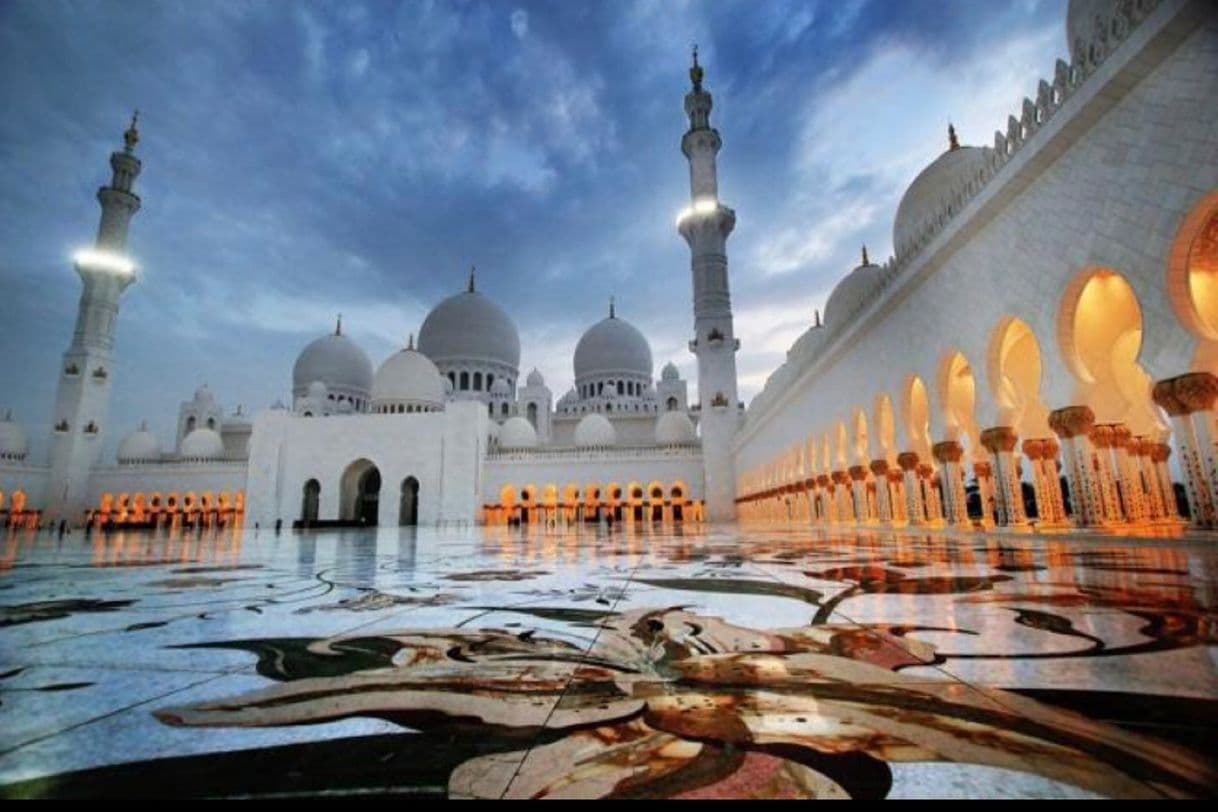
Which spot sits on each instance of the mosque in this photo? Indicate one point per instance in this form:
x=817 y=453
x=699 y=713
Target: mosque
x=1039 y=353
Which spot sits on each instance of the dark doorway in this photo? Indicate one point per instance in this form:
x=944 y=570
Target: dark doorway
x=310 y=501
x=367 y=500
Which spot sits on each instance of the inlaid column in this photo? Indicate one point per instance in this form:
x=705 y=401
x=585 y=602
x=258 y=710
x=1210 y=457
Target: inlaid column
x=858 y=489
x=1139 y=453
x=951 y=477
x=1073 y=425
x=896 y=489
x=883 y=495
x=1198 y=391
x=828 y=509
x=1195 y=463
x=1103 y=436
x=1000 y=441
x=930 y=494
x=914 y=506
x=842 y=496
x=984 y=472
x=1128 y=478
x=1160 y=453
x=1046 y=481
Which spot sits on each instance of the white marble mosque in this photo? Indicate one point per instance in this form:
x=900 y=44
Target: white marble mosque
x=1040 y=352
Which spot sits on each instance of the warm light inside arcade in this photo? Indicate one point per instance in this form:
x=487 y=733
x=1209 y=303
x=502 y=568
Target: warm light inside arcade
x=15 y=512
x=631 y=502
x=1100 y=459
x=206 y=509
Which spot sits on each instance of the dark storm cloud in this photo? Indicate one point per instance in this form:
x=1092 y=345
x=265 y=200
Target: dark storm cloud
x=302 y=159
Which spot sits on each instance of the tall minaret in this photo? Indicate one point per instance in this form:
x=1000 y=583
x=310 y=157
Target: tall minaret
x=83 y=396
x=705 y=225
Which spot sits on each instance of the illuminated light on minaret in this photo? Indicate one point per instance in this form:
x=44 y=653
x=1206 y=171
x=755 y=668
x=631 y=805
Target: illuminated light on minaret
x=86 y=374
x=706 y=225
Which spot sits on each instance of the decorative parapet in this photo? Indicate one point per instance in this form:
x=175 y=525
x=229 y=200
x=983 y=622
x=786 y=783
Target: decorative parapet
x=1108 y=32
x=600 y=454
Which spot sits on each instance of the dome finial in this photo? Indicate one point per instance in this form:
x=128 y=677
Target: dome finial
x=143 y=425
x=612 y=310
x=952 y=142
x=695 y=72
x=410 y=343
x=865 y=260
x=817 y=317
x=472 y=270
x=132 y=136
x=338 y=327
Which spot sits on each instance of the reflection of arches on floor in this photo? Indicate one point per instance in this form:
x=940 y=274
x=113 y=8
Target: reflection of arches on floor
x=408 y=503
x=1099 y=329
x=360 y=489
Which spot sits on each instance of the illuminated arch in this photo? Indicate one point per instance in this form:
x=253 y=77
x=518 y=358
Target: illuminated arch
x=958 y=398
x=885 y=425
x=915 y=413
x=1013 y=369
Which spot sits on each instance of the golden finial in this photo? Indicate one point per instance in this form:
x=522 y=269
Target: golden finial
x=338 y=328
x=952 y=142
x=865 y=260
x=132 y=136
x=472 y=269
x=611 y=309
x=410 y=343
x=695 y=72
x=818 y=317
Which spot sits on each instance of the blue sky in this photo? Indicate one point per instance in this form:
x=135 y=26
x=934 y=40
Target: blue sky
x=303 y=159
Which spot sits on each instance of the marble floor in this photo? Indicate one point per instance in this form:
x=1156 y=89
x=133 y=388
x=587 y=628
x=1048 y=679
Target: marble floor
x=655 y=662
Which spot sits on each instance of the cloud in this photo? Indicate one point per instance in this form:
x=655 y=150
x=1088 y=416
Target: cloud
x=520 y=23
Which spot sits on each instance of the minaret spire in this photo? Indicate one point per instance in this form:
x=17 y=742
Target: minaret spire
x=706 y=225
x=865 y=260
x=338 y=327
x=472 y=270
x=612 y=313
x=410 y=344
x=952 y=142
x=82 y=399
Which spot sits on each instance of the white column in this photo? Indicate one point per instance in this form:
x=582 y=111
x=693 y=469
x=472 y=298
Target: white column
x=948 y=454
x=1073 y=425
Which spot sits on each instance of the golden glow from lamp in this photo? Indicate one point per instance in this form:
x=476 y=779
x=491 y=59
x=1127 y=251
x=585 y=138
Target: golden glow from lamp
x=104 y=261
x=703 y=205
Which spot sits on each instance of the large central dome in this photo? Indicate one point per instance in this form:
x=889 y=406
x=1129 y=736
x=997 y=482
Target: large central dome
x=612 y=346
x=470 y=327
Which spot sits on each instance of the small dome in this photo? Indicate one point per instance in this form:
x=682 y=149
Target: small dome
x=345 y=407
x=204 y=395
x=570 y=397
x=335 y=360
x=202 y=444
x=501 y=388
x=517 y=433
x=595 y=431
x=470 y=327
x=140 y=445
x=535 y=378
x=670 y=373
x=932 y=190
x=408 y=378
x=318 y=391
x=675 y=428
x=850 y=293
x=612 y=346
x=14 y=445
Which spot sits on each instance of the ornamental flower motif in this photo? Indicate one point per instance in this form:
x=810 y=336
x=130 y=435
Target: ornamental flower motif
x=668 y=703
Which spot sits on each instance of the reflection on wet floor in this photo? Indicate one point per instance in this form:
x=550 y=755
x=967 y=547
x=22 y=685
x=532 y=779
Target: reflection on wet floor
x=746 y=661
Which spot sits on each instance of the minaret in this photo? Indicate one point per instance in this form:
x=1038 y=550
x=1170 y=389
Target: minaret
x=705 y=225
x=85 y=376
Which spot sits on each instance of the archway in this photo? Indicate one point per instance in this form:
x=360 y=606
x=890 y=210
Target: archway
x=958 y=394
x=408 y=503
x=1013 y=368
x=678 y=501
x=843 y=448
x=1100 y=332
x=655 y=501
x=360 y=491
x=885 y=425
x=310 y=501
x=915 y=410
x=507 y=503
x=1192 y=279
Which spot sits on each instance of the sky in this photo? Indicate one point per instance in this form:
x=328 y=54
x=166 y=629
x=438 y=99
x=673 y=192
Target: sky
x=302 y=159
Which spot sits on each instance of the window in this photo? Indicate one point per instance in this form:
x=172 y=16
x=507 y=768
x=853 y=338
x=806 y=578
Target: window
x=672 y=404
x=621 y=388
x=477 y=381
x=464 y=382
x=490 y=380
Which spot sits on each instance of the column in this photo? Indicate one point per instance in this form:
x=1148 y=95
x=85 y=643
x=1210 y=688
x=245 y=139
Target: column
x=858 y=489
x=1139 y=452
x=1042 y=456
x=896 y=490
x=1159 y=454
x=1197 y=392
x=955 y=502
x=1103 y=435
x=1000 y=441
x=985 y=485
x=914 y=507
x=843 y=496
x=825 y=490
x=883 y=495
x=1128 y=479
x=930 y=494
x=1073 y=425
